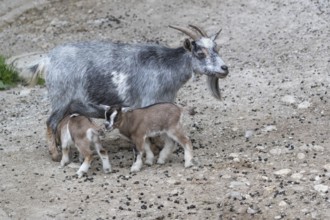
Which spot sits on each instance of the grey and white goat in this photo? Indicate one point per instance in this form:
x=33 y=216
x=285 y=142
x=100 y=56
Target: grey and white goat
x=80 y=131
x=80 y=76
x=140 y=124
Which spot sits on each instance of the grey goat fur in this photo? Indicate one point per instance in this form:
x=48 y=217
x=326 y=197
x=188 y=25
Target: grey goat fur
x=80 y=76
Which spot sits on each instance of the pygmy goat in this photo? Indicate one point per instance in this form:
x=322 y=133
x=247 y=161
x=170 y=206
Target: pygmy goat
x=80 y=131
x=154 y=120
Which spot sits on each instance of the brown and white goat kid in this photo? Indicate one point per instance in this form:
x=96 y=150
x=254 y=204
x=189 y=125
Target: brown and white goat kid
x=80 y=131
x=154 y=120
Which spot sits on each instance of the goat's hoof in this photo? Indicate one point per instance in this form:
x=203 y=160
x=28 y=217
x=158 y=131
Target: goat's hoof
x=149 y=162
x=80 y=174
x=135 y=169
x=161 y=162
x=56 y=157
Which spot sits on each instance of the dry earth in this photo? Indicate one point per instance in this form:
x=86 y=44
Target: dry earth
x=264 y=149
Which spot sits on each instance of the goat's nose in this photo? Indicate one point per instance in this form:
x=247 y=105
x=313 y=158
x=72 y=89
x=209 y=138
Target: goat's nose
x=224 y=67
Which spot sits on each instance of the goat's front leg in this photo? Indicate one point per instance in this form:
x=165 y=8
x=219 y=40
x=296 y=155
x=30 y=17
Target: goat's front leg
x=139 y=149
x=149 y=154
x=165 y=152
x=185 y=142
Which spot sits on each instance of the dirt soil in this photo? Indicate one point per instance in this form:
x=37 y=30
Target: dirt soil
x=264 y=149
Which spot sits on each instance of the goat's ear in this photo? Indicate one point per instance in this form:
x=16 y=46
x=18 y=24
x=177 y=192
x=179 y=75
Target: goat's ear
x=187 y=44
x=105 y=107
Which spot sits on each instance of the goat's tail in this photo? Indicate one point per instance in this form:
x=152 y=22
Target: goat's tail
x=38 y=70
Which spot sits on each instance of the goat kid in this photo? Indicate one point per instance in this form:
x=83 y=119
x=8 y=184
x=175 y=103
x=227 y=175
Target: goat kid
x=154 y=120
x=83 y=133
x=81 y=76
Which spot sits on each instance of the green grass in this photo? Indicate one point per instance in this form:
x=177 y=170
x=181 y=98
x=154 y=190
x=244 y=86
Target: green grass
x=8 y=76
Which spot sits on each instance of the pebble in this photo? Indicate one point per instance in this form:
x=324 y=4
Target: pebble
x=321 y=188
x=297 y=176
x=288 y=99
x=248 y=134
x=235 y=195
x=237 y=184
x=282 y=172
x=301 y=156
x=251 y=211
x=25 y=92
x=327 y=166
x=278 y=151
x=304 y=105
x=270 y=128
x=317 y=148
x=282 y=204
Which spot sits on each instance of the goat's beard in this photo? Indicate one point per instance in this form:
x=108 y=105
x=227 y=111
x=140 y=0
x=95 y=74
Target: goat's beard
x=213 y=85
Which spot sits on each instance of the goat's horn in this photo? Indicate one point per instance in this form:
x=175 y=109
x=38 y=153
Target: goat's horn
x=186 y=31
x=217 y=34
x=200 y=30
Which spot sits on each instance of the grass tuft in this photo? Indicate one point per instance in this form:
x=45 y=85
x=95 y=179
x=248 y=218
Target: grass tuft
x=8 y=76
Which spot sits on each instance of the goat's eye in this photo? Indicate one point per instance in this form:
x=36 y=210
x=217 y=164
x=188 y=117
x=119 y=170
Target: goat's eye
x=201 y=55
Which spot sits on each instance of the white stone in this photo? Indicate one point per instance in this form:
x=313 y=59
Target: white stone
x=233 y=155
x=282 y=204
x=282 y=172
x=297 y=176
x=237 y=184
x=251 y=211
x=277 y=151
x=25 y=92
x=289 y=99
x=304 y=105
x=248 y=134
x=317 y=148
x=235 y=195
x=321 y=188
x=327 y=166
x=270 y=128
x=301 y=156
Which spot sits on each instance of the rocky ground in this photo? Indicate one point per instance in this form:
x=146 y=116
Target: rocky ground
x=264 y=149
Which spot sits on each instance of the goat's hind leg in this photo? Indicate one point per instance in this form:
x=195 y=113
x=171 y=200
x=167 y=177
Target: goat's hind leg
x=88 y=155
x=104 y=157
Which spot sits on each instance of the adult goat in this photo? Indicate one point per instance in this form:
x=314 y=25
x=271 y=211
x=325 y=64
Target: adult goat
x=80 y=76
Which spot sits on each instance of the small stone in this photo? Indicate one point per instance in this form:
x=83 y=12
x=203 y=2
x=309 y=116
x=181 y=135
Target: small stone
x=276 y=151
x=251 y=211
x=235 y=195
x=301 y=156
x=327 y=166
x=321 y=188
x=233 y=155
x=282 y=204
x=317 y=148
x=282 y=172
x=237 y=184
x=270 y=128
x=25 y=92
x=248 y=134
x=297 y=176
x=288 y=99
x=304 y=105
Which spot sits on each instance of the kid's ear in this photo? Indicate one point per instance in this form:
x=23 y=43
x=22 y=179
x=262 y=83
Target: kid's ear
x=187 y=44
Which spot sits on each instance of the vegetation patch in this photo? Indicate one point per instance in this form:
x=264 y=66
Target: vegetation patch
x=8 y=76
